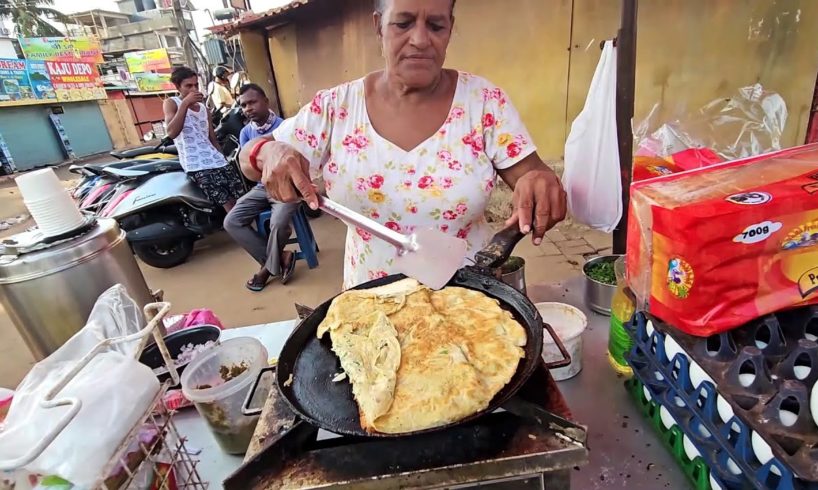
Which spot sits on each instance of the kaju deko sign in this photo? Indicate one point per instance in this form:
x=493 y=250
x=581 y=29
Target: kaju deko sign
x=71 y=73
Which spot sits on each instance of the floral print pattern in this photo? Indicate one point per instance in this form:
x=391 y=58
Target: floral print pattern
x=443 y=183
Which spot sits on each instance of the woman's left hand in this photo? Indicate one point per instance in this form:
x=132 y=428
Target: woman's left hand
x=539 y=201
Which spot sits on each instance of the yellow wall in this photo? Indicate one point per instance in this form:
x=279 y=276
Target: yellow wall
x=691 y=52
x=254 y=46
x=544 y=54
x=284 y=56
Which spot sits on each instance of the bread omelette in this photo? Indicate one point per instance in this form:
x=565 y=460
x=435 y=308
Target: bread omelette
x=419 y=358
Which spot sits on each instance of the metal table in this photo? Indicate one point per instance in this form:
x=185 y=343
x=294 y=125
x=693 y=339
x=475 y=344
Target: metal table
x=624 y=450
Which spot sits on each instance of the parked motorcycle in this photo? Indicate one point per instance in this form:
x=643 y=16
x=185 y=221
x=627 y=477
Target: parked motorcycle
x=164 y=150
x=91 y=173
x=97 y=186
x=162 y=213
x=228 y=130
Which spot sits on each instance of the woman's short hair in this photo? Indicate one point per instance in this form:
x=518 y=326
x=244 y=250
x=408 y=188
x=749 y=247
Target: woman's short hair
x=180 y=74
x=380 y=5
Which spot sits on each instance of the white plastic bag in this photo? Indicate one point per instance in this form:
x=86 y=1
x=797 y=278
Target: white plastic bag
x=592 y=177
x=114 y=388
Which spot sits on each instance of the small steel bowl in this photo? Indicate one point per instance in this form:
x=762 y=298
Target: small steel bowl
x=598 y=295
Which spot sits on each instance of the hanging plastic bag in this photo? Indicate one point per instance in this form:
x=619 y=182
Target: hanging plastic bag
x=114 y=390
x=592 y=177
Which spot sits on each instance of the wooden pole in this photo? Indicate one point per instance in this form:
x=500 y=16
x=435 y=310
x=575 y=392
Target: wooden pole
x=625 y=89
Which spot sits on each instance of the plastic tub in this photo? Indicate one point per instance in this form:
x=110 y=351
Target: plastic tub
x=219 y=394
x=199 y=335
x=569 y=323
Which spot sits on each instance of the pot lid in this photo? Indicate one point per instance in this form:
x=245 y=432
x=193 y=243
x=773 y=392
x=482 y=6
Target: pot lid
x=30 y=254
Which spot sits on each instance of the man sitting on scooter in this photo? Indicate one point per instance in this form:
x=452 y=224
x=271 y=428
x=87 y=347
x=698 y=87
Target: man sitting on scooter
x=188 y=123
x=271 y=256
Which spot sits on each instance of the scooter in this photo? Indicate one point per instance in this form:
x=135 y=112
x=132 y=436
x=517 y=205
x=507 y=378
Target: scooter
x=97 y=186
x=164 y=150
x=228 y=130
x=91 y=173
x=162 y=213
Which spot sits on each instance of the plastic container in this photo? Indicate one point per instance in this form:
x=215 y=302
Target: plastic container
x=200 y=335
x=568 y=323
x=217 y=382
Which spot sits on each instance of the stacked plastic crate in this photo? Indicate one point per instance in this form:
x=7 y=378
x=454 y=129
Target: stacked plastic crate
x=734 y=409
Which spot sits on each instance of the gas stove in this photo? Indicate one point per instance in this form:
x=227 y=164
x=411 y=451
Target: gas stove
x=529 y=444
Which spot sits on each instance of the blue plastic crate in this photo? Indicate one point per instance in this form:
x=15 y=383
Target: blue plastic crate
x=726 y=447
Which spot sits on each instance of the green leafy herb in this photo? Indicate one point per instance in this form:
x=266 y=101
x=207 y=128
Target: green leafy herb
x=512 y=264
x=601 y=272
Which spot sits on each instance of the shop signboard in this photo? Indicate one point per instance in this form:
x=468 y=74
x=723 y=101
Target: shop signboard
x=23 y=83
x=152 y=60
x=153 y=82
x=75 y=81
x=64 y=49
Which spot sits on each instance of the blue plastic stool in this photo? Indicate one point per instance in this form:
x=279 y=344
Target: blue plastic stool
x=308 y=247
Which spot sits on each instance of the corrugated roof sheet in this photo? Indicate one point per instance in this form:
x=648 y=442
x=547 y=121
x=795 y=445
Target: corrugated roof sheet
x=251 y=18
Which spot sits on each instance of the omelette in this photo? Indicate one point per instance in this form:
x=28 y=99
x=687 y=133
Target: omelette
x=419 y=358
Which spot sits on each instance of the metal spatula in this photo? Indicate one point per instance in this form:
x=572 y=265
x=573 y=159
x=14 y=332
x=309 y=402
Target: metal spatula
x=430 y=256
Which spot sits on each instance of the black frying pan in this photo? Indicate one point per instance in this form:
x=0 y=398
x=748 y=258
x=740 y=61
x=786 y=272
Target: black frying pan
x=310 y=361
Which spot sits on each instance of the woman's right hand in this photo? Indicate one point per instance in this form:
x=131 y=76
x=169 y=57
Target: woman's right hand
x=284 y=172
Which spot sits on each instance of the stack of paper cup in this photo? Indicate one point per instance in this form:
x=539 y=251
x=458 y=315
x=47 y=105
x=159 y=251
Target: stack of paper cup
x=49 y=203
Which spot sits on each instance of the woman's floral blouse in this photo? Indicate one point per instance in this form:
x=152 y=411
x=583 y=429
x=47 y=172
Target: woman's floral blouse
x=444 y=182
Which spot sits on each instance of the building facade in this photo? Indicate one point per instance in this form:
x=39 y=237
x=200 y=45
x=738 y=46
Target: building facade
x=544 y=53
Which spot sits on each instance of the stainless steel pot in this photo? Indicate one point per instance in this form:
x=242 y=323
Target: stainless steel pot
x=598 y=296
x=513 y=273
x=49 y=290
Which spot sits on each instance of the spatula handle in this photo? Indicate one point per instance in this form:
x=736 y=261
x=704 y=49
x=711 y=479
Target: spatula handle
x=350 y=217
x=499 y=248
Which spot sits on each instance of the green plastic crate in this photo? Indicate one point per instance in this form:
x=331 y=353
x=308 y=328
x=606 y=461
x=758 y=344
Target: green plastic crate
x=696 y=471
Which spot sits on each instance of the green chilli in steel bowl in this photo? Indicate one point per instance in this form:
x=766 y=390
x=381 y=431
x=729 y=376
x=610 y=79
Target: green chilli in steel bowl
x=600 y=284
x=602 y=272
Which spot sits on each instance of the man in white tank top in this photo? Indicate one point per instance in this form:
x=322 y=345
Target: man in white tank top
x=188 y=123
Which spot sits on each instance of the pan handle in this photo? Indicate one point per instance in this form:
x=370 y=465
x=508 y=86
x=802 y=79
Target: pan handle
x=245 y=407
x=566 y=357
x=499 y=248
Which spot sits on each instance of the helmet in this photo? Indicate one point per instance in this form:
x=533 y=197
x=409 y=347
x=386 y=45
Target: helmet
x=220 y=72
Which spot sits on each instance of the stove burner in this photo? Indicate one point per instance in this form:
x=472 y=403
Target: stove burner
x=529 y=444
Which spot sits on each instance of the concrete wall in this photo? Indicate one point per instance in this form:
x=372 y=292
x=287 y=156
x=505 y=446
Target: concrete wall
x=140 y=35
x=544 y=54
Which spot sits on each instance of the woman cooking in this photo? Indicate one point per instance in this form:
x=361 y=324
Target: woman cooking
x=412 y=146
